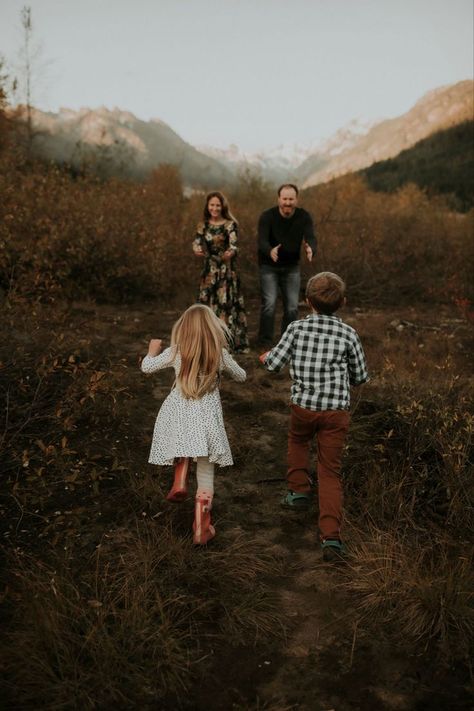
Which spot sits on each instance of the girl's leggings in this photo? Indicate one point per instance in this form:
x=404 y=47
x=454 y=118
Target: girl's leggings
x=204 y=475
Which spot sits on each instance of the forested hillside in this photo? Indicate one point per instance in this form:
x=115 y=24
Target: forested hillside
x=442 y=164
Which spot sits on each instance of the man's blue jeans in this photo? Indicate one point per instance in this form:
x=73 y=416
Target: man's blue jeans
x=273 y=279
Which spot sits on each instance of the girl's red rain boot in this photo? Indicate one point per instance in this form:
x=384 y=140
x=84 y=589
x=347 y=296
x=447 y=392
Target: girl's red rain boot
x=179 y=490
x=204 y=531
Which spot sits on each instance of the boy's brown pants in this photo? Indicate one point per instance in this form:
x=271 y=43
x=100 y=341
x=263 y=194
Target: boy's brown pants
x=330 y=429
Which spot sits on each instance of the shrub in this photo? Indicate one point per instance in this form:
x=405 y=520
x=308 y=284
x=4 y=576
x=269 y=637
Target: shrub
x=72 y=236
x=410 y=455
x=422 y=592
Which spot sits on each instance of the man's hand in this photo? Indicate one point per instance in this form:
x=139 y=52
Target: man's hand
x=154 y=347
x=274 y=253
x=262 y=358
x=309 y=252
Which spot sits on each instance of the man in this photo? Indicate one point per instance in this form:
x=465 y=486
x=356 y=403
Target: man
x=281 y=232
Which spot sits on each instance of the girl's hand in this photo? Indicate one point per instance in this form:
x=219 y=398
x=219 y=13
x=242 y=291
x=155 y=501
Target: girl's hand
x=262 y=358
x=228 y=254
x=198 y=251
x=154 y=347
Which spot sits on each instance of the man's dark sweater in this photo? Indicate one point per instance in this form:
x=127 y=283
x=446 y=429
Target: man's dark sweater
x=273 y=229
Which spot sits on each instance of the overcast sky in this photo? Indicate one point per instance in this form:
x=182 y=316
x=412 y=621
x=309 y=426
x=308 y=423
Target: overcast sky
x=256 y=73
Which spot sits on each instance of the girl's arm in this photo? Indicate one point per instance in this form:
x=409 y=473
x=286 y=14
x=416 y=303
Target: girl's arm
x=151 y=363
x=230 y=366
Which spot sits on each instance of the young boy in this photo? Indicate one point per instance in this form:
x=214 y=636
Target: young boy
x=326 y=358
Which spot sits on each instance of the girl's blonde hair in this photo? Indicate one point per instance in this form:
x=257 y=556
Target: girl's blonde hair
x=200 y=337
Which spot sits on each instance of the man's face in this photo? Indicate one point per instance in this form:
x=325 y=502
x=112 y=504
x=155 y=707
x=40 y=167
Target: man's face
x=287 y=201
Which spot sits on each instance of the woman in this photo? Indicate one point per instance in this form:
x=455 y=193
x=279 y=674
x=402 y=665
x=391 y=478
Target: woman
x=219 y=288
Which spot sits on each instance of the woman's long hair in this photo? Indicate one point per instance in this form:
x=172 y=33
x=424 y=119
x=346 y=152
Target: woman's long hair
x=200 y=337
x=226 y=213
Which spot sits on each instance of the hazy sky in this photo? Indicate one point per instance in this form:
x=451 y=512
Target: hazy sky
x=257 y=73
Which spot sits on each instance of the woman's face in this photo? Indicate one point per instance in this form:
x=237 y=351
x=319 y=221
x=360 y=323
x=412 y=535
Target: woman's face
x=214 y=207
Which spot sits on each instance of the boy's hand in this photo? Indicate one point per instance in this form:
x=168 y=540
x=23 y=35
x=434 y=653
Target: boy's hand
x=154 y=347
x=262 y=358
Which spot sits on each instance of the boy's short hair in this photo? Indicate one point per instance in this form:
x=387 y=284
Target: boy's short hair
x=325 y=292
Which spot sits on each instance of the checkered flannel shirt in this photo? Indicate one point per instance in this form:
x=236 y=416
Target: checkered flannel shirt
x=326 y=358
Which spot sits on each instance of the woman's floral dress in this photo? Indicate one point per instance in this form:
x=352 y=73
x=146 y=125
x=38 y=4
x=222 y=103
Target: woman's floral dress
x=219 y=287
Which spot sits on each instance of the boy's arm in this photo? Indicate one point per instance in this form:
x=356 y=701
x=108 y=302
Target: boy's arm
x=358 y=373
x=280 y=355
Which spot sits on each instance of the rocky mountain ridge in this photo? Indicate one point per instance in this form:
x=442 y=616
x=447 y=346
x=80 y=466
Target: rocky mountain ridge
x=437 y=110
x=122 y=143
x=134 y=147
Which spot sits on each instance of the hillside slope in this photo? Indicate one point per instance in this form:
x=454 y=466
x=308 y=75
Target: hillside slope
x=124 y=144
x=442 y=163
x=437 y=110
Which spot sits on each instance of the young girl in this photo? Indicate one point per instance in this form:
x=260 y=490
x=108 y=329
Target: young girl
x=190 y=422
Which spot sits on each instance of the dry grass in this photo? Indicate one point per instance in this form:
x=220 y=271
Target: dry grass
x=422 y=590
x=137 y=617
x=136 y=623
x=410 y=487
x=410 y=455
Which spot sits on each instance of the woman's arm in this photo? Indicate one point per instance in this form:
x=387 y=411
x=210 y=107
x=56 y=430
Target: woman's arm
x=231 y=250
x=198 y=242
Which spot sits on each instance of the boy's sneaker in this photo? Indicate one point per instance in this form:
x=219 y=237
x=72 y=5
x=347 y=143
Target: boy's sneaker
x=296 y=501
x=333 y=550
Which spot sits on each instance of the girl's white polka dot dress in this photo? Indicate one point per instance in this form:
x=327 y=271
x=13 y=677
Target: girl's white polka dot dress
x=190 y=428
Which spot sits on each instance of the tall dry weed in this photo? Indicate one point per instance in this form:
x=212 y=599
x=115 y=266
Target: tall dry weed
x=136 y=625
x=421 y=590
x=411 y=454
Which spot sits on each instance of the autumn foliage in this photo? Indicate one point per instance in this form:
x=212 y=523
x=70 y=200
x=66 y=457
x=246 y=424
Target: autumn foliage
x=70 y=235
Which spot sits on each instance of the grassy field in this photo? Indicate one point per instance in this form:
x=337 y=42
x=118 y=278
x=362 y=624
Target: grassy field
x=105 y=601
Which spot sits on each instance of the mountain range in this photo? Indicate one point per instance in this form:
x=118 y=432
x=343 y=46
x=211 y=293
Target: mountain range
x=119 y=142
x=437 y=110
